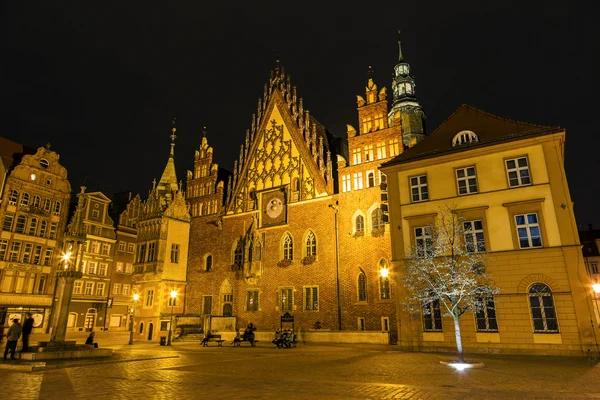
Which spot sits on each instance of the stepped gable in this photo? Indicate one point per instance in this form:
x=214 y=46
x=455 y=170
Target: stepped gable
x=311 y=147
x=489 y=128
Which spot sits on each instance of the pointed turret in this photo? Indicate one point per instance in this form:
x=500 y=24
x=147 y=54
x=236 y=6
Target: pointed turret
x=405 y=101
x=168 y=180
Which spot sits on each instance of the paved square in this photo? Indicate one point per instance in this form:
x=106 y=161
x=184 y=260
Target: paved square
x=187 y=370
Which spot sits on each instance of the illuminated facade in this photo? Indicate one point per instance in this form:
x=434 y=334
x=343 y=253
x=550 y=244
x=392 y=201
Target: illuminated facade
x=91 y=297
x=507 y=179
x=302 y=228
x=162 y=226
x=33 y=213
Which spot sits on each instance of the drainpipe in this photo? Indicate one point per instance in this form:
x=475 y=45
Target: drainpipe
x=337 y=264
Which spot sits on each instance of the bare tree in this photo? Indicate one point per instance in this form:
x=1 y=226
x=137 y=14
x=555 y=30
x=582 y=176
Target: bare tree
x=445 y=272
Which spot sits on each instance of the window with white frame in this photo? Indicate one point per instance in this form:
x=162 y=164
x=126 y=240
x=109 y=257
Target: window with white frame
x=121 y=246
x=518 y=172
x=174 y=253
x=474 y=239
x=3 y=249
x=95 y=247
x=95 y=214
x=432 y=316
x=27 y=249
x=418 y=188
x=466 y=180
x=57 y=207
x=358 y=180
x=346 y=184
x=105 y=249
x=125 y=289
x=377 y=219
x=149 y=297
x=311 y=298
x=77 y=286
x=130 y=247
x=394 y=147
x=528 y=230
x=47 y=205
x=43 y=228
x=15 y=249
x=371 y=179
x=13 y=196
x=543 y=312
x=24 y=199
x=423 y=241
x=48 y=256
x=100 y=289
x=102 y=269
x=369 y=153
x=128 y=268
x=593 y=267
x=356 y=156
x=119 y=266
x=53 y=230
x=359 y=223
x=20 y=225
x=116 y=288
x=381 y=151
x=384 y=288
x=485 y=315
x=37 y=201
x=89 y=288
x=37 y=255
x=92 y=267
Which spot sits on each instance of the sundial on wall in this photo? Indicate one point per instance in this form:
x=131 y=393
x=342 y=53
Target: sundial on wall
x=274 y=209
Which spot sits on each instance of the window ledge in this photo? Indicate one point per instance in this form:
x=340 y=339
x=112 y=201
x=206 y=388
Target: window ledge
x=487 y=337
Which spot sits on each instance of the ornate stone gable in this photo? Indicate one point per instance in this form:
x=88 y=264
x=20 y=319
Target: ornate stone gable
x=178 y=208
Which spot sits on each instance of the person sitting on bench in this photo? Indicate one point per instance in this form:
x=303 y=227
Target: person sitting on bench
x=282 y=339
x=275 y=341
x=290 y=339
x=90 y=340
x=237 y=339
x=206 y=339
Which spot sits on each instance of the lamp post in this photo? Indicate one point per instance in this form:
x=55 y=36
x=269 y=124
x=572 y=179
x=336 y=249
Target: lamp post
x=335 y=208
x=136 y=297
x=173 y=297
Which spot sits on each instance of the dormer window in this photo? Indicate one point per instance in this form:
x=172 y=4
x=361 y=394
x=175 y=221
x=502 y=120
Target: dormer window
x=464 y=137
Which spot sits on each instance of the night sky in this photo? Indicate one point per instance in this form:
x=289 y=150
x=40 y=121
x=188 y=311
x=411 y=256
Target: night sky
x=102 y=82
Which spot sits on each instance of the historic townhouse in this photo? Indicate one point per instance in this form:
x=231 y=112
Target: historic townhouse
x=160 y=262
x=122 y=268
x=507 y=179
x=91 y=296
x=33 y=213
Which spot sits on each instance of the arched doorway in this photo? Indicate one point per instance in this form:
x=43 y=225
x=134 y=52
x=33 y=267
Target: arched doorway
x=150 y=330
x=72 y=320
x=90 y=319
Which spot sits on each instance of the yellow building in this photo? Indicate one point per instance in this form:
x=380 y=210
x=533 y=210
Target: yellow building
x=507 y=179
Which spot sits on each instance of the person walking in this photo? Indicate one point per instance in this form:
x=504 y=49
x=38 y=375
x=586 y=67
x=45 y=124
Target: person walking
x=14 y=332
x=27 y=328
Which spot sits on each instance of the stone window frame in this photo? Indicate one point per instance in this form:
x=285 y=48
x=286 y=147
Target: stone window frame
x=526 y=207
x=280 y=290
x=24 y=202
x=362 y=287
x=310 y=297
x=466 y=178
x=370 y=176
x=206 y=266
x=361 y=324
x=287 y=246
x=431 y=316
x=517 y=169
x=358 y=213
x=483 y=314
x=385 y=322
x=312 y=248
x=419 y=221
x=13 y=197
x=256 y=307
x=423 y=195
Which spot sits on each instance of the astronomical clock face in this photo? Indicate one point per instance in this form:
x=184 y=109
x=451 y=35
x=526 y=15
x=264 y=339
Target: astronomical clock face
x=273 y=208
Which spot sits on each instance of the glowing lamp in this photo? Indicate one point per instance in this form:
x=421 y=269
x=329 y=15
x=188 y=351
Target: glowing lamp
x=384 y=272
x=460 y=366
x=136 y=297
x=596 y=287
x=173 y=294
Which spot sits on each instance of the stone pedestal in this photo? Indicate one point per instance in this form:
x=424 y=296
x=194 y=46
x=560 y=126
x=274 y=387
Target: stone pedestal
x=66 y=279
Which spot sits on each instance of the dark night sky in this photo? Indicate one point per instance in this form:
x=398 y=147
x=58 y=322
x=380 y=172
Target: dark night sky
x=102 y=84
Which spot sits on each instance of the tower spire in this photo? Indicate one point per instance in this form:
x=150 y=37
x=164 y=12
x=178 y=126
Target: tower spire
x=173 y=137
x=369 y=72
x=400 y=57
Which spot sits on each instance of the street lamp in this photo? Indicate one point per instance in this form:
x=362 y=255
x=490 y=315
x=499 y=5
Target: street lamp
x=384 y=272
x=173 y=297
x=136 y=297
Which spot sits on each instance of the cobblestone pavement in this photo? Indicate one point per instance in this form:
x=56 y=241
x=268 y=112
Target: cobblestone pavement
x=186 y=370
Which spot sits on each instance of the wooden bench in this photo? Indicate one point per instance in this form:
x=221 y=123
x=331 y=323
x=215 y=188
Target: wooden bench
x=239 y=343
x=291 y=343
x=212 y=338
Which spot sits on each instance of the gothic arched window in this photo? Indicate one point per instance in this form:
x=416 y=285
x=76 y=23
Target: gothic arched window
x=238 y=252
x=311 y=244
x=25 y=199
x=362 y=286
x=377 y=218
x=288 y=247
x=13 y=195
x=360 y=223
